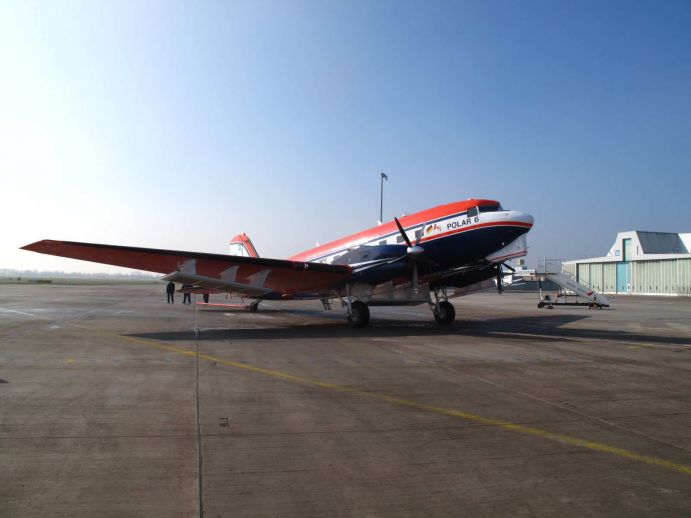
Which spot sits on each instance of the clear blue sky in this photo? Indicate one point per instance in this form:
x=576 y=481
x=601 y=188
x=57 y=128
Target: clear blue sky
x=177 y=125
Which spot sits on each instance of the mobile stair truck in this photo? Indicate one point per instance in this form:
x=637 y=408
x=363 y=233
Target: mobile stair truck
x=571 y=293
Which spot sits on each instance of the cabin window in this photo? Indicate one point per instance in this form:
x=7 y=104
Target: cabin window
x=382 y=243
x=418 y=233
x=399 y=239
x=472 y=212
x=490 y=208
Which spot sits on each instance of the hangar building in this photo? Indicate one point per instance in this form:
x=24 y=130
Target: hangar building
x=639 y=263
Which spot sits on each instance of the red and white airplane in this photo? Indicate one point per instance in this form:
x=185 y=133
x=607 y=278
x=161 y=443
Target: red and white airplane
x=460 y=245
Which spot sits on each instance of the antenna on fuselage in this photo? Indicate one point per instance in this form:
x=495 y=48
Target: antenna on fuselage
x=382 y=177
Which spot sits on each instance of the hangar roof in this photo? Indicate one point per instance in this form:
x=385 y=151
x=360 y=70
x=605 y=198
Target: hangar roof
x=646 y=246
x=661 y=243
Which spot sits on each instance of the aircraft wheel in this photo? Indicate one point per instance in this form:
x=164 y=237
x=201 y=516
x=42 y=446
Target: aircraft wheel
x=254 y=306
x=359 y=314
x=206 y=298
x=540 y=305
x=445 y=314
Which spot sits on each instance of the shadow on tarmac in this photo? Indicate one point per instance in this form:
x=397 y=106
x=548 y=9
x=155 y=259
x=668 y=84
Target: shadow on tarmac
x=547 y=328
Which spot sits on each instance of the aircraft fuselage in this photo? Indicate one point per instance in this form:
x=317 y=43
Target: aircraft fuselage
x=451 y=235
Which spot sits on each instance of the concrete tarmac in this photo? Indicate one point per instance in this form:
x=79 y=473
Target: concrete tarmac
x=114 y=403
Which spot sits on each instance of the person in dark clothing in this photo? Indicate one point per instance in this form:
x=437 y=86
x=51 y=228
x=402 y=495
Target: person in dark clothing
x=170 y=290
x=206 y=298
x=186 y=298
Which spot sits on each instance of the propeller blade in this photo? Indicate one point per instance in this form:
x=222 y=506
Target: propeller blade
x=414 y=253
x=400 y=229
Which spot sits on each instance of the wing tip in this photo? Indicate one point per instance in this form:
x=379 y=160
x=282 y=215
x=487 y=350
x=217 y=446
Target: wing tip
x=39 y=246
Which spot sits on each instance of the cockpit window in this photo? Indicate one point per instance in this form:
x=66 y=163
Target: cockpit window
x=490 y=208
x=472 y=212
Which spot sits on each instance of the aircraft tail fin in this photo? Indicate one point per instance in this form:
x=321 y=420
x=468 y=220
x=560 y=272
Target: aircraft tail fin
x=242 y=245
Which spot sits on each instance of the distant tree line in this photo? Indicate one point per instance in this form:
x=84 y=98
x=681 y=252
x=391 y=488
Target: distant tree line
x=133 y=275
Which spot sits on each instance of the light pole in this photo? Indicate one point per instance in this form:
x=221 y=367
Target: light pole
x=381 y=197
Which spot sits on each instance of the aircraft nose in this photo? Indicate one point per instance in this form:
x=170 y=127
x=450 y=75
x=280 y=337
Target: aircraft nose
x=524 y=217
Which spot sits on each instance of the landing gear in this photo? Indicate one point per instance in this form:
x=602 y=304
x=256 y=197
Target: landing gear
x=254 y=306
x=359 y=314
x=443 y=310
x=206 y=298
x=356 y=311
x=444 y=313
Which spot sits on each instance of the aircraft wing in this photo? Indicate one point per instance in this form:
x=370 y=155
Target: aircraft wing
x=250 y=276
x=238 y=288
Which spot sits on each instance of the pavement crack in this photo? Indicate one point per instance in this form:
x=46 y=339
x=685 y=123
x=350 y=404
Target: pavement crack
x=200 y=457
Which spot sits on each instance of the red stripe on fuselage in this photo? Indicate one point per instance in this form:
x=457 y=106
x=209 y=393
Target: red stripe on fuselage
x=419 y=218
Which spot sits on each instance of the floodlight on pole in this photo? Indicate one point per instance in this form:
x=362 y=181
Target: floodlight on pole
x=382 y=177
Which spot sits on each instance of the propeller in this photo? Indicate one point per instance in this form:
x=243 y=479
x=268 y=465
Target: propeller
x=412 y=249
x=413 y=252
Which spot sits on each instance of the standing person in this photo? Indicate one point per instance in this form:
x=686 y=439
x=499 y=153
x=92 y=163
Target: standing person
x=186 y=298
x=170 y=290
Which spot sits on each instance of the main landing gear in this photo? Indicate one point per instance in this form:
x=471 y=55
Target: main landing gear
x=254 y=306
x=357 y=311
x=359 y=314
x=445 y=313
x=443 y=310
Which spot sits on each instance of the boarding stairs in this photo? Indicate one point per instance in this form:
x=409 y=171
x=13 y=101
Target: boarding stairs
x=552 y=270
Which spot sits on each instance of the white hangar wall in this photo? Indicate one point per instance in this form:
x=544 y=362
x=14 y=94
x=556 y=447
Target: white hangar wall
x=639 y=263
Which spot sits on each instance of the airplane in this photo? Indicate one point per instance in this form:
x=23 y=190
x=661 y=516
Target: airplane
x=422 y=258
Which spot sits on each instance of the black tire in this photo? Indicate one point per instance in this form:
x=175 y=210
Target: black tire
x=254 y=306
x=206 y=298
x=445 y=314
x=540 y=305
x=359 y=314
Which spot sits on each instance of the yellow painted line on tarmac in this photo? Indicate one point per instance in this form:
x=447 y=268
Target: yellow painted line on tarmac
x=498 y=423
